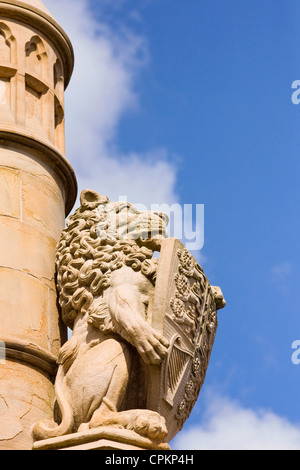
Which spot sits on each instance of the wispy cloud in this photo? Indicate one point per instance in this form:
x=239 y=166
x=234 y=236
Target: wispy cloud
x=280 y=276
x=227 y=425
x=101 y=92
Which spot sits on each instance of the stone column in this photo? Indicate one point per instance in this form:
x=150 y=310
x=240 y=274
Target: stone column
x=37 y=190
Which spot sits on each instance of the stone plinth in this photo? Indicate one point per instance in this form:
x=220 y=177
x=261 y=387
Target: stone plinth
x=105 y=438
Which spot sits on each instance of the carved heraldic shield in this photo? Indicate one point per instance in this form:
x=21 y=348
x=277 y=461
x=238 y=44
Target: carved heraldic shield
x=185 y=310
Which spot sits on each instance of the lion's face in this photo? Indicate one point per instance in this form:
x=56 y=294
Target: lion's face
x=101 y=237
x=122 y=221
x=145 y=225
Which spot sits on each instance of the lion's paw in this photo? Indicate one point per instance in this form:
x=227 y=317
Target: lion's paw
x=151 y=425
x=144 y=422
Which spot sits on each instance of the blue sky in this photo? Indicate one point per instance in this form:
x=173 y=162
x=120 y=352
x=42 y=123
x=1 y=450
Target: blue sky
x=193 y=105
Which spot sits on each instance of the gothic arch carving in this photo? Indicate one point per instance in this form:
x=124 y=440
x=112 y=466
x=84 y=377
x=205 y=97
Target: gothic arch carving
x=8 y=69
x=37 y=58
x=8 y=49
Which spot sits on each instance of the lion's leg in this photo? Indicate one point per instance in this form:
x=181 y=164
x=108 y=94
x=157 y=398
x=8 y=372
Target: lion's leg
x=114 y=396
x=144 y=422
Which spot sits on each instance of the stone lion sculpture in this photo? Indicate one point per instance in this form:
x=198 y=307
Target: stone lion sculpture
x=106 y=279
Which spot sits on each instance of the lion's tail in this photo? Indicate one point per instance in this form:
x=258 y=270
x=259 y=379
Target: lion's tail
x=49 y=429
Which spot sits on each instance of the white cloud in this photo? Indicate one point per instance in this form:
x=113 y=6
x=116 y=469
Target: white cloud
x=228 y=426
x=101 y=92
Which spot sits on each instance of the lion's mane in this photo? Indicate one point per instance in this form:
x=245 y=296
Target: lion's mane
x=85 y=261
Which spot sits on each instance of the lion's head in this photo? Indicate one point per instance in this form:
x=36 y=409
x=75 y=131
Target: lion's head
x=101 y=237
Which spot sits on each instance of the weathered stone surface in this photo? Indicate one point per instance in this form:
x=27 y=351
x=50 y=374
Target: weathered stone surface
x=143 y=329
x=25 y=313
x=45 y=212
x=10 y=184
x=25 y=396
x=27 y=240
x=37 y=189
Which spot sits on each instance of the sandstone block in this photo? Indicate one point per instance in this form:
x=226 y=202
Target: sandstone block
x=42 y=206
x=25 y=248
x=25 y=308
x=9 y=193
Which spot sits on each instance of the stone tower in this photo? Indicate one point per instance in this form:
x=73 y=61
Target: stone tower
x=37 y=189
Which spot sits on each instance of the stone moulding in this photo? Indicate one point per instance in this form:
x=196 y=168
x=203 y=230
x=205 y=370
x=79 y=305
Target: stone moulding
x=37 y=18
x=50 y=155
x=36 y=84
x=32 y=354
x=7 y=72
